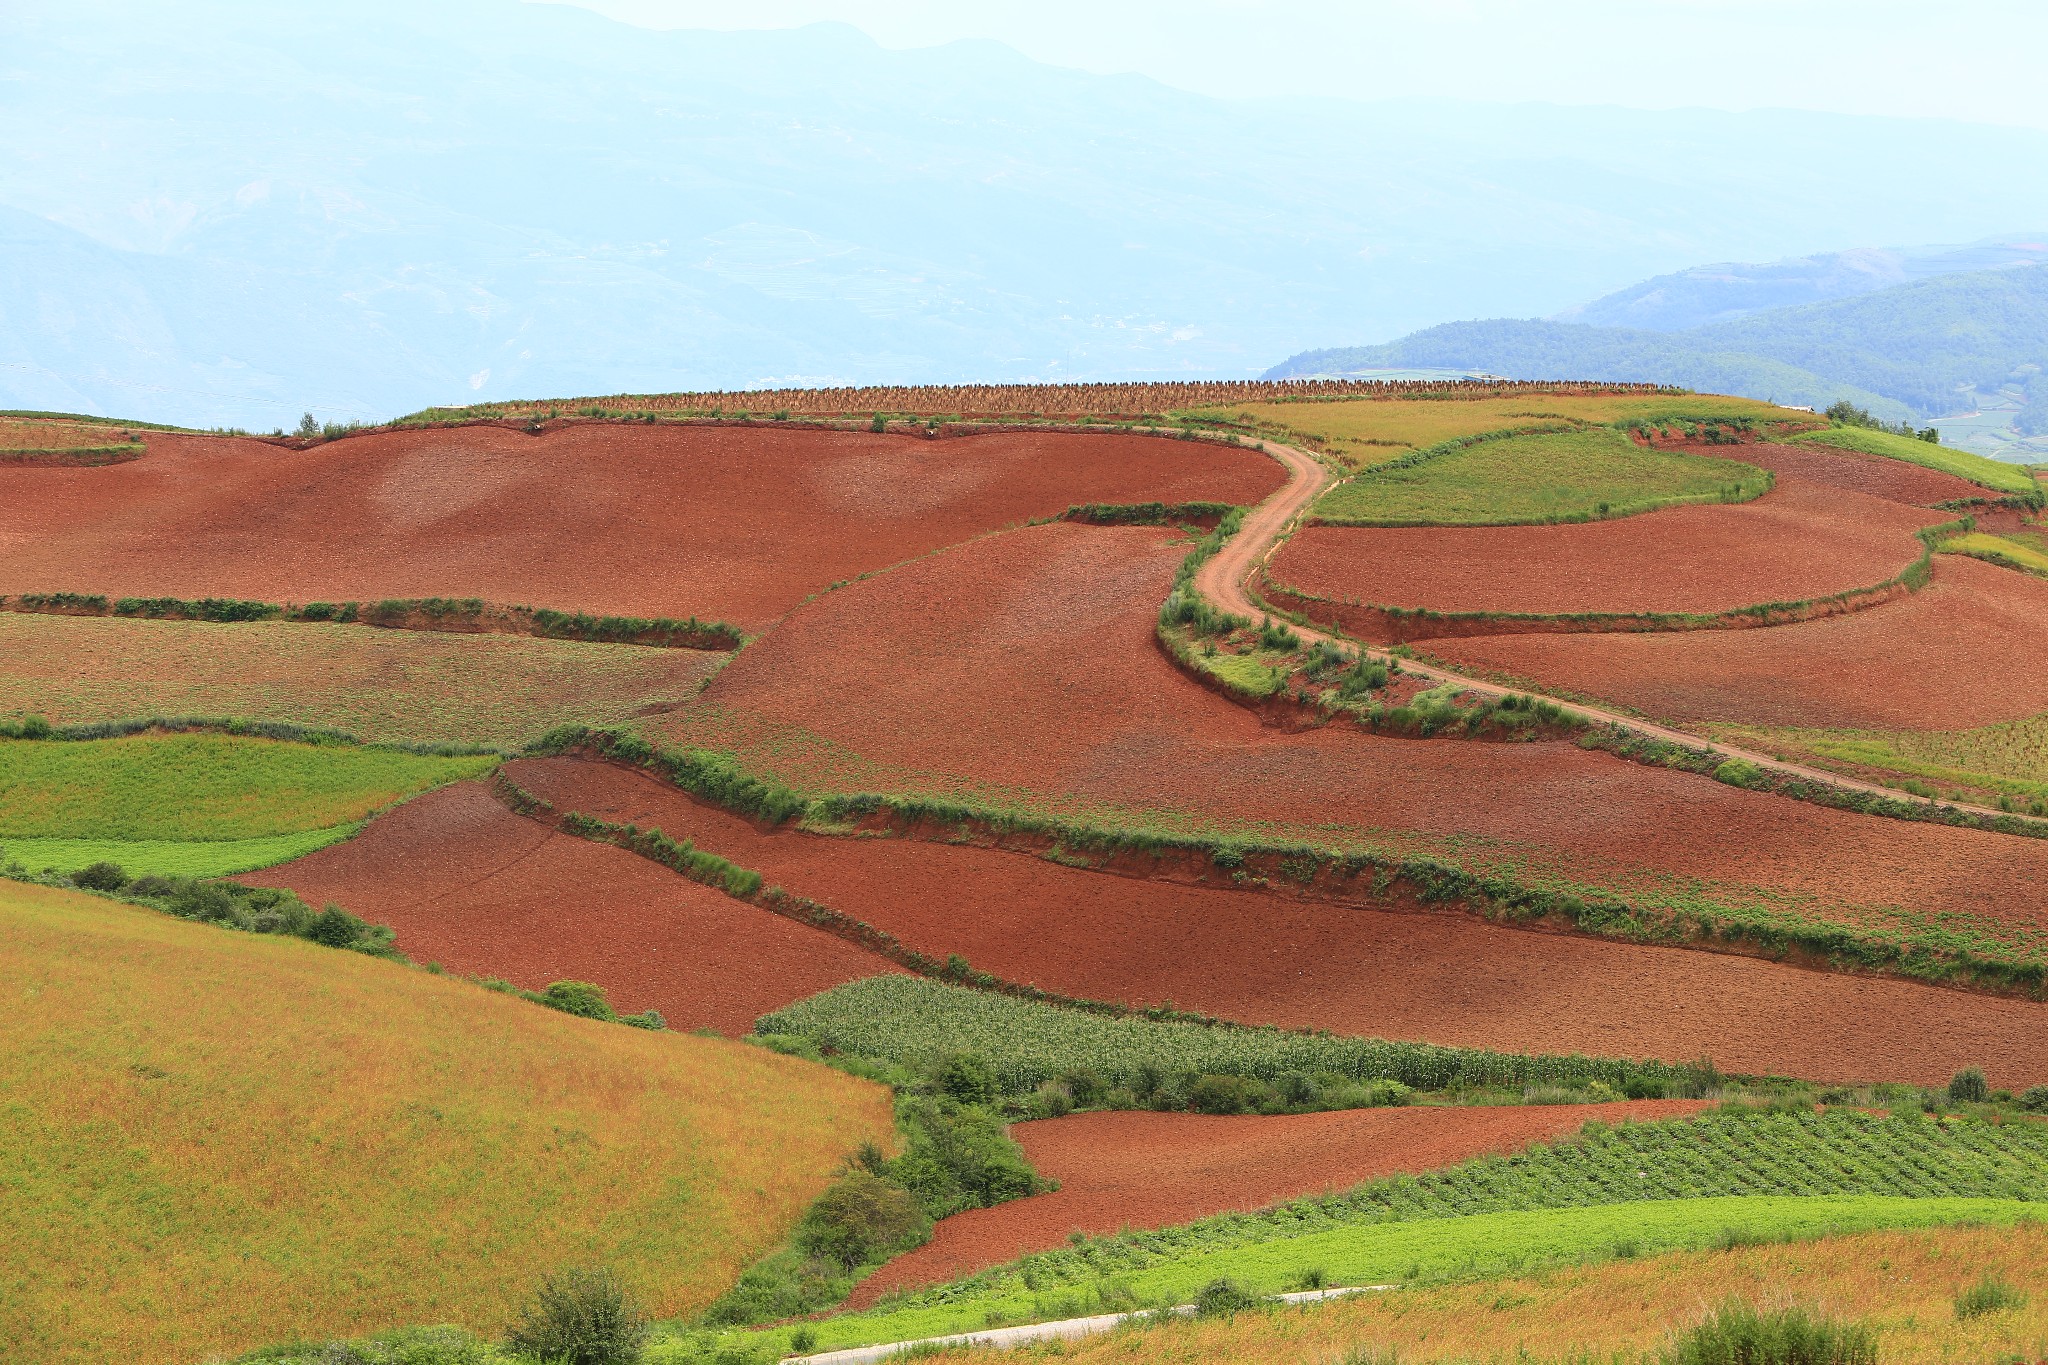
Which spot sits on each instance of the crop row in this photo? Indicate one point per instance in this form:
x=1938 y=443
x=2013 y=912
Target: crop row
x=917 y=1023
x=1736 y=1152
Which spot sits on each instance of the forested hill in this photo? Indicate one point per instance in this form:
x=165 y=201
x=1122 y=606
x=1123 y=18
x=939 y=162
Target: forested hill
x=1910 y=347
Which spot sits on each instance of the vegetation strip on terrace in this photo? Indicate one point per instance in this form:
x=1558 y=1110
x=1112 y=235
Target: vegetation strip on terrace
x=465 y=615
x=1940 y=953
x=2008 y=759
x=1726 y=1178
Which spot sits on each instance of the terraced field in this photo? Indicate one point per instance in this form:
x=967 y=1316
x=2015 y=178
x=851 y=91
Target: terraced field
x=1290 y=959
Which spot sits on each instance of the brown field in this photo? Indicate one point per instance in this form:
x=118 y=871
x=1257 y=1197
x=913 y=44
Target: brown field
x=470 y=885
x=724 y=523
x=1119 y=1170
x=1853 y=471
x=1022 y=669
x=1401 y=972
x=1800 y=541
x=382 y=685
x=1963 y=652
x=1905 y=1283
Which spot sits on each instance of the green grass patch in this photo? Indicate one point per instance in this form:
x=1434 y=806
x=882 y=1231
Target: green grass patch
x=1551 y=477
x=1246 y=673
x=170 y=857
x=2006 y=478
x=199 y=786
x=1116 y=1274
x=2009 y=758
x=2027 y=555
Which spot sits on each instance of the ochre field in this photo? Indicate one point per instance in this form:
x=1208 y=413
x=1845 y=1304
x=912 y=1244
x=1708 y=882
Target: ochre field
x=216 y=1141
x=1903 y=1283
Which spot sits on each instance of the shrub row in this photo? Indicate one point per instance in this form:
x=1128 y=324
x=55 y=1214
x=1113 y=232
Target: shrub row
x=1150 y=513
x=37 y=727
x=687 y=633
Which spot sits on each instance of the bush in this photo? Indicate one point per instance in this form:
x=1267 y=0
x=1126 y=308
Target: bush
x=100 y=876
x=1227 y=1094
x=1740 y=1334
x=960 y=1157
x=1989 y=1295
x=1220 y=1298
x=969 y=1079
x=1738 y=772
x=1968 y=1087
x=336 y=928
x=580 y=998
x=581 y=1317
x=2034 y=1099
x=860 y=1217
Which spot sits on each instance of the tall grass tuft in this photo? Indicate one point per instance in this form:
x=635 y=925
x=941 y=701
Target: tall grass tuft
x=1739 y=1333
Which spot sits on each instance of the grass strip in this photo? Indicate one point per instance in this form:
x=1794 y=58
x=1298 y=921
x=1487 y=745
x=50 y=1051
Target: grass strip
x=171 y=857
x=1429 y=1251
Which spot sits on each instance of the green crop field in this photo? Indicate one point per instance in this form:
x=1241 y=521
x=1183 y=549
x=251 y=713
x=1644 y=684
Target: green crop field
x=197 y=804
x=385 y=685
x=917 y=1022
x=215 y=1140
x=1993 y=474
x=1562 y=476
x=1655 y=1185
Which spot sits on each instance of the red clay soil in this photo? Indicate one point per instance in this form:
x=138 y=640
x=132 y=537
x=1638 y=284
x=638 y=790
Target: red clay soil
x=1967 y=650
x=726 y=523
x=1798 y=542
x=485 y=893
x=1139 y=1170
x=1027 y=662
x=1853 y=471
x=1402 y=972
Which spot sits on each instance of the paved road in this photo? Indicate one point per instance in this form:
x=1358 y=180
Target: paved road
x=1226 y=582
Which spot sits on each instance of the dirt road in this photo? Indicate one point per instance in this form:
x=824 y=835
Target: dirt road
x=1225 y=581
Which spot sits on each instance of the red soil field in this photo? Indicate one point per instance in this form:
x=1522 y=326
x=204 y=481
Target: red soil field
x=1123 y=1170
x=1798 y=542
x=725 y=523
x=1024 y=665
x=483 y=892
x=1966 y=650
x=1266 y=958
x=1852 y=471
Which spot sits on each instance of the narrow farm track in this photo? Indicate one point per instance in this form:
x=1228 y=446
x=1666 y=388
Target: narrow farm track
x=1225 y=581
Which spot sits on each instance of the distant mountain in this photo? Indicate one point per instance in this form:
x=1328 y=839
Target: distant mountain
x=1913 y=350
x=229 y=211
x=1708 y=294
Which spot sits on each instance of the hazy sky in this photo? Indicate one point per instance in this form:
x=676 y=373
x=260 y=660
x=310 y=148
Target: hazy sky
x=1969 y=59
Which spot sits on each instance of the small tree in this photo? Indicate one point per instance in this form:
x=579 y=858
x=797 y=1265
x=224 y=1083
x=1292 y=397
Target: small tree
x=1968 y=1086
x=308 y=428
x=581 y=1317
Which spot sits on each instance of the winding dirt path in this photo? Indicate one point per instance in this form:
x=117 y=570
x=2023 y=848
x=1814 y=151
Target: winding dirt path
x=1226 y=582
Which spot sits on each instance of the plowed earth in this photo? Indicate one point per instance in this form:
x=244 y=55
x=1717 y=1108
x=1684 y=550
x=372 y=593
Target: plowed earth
x=725 y=523
x=1798 y=542
x=383 y=685
x=1023 y=667
x=1265 y=958
x=1965 y=651
x=1853 y=472
x=483 y=892
x=1137 y=1170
